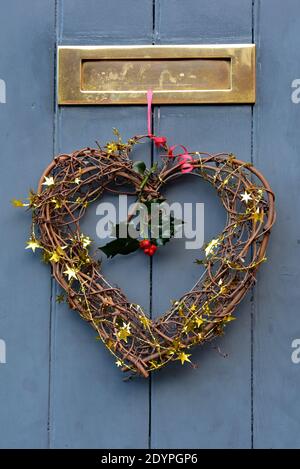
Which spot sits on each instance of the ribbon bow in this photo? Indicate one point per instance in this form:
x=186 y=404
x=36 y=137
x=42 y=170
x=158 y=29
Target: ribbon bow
x=185 y=160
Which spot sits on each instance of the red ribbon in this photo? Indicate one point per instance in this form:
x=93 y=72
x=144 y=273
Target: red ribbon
x=184 y=158
x=158 y=141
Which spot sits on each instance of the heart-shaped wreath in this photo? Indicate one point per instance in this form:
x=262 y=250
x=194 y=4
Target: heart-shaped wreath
x=72 y=181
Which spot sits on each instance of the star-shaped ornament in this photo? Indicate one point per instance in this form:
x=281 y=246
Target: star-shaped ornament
x=49 y=181
x=70 y=273
x=183 y=357
x=245 y=197
x=33 y=244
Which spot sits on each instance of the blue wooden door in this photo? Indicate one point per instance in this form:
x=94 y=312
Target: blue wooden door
x=59 y=387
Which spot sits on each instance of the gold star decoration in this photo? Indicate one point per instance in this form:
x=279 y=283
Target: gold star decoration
x=55 y=257
x=124 y=332
x=33 y=198
x=199 y=321
x=193 y=308
x=18 y=203
x=225 y=182
x=229 y=318
x=188 y=327
x=181 y=311
x=177 y=345
x=85 y=240
x=110 y=344
x=57 y=203
x=258 y=215
x=33 y=244
x=49 y=181
x=70 y=273
x=223 y=288
x=145 y=321
x=211 y=246
x=119 y=363
x=183 y=357
x=111 y=147
x=77 y=181
x=245 y=197
x=154 y=364
x=206 y=309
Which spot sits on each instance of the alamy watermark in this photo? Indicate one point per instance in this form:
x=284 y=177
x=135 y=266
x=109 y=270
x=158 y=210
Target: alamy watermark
x=155 y=220
x=295 y=357
x=295 y=96
x=2 y=91
x=2 y=351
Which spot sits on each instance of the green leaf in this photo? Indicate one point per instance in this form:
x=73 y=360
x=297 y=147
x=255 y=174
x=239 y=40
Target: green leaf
x=147 y=176
x=166 y=232
x=60 y=298
x=139 y=167
x=199 y=261
x=120 y=246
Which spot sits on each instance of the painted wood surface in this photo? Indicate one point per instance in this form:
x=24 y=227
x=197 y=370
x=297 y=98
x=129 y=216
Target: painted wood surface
x=91 y=405
x=59 y=387
x=26 y=133
x=276 y=412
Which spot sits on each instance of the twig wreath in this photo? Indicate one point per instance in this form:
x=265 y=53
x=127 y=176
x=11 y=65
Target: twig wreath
x=140 y=345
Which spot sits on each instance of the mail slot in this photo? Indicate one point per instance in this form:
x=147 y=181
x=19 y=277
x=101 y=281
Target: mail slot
x=176 y=74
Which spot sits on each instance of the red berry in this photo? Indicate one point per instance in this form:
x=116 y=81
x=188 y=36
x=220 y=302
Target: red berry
x=145 y=243
x=149 y=248
x=152 y=249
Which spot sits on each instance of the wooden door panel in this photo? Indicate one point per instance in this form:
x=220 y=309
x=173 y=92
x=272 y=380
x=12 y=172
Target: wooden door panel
x=194 y=408
x=196 y=396
x=26 y=124
x=277 y=295
x=91 y=404
x=203 y=22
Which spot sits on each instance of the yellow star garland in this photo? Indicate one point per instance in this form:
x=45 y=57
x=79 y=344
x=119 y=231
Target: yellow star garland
x=49 y=181
x=70 y=273
x=33 y=244
x=183 y=357
x=124 y=332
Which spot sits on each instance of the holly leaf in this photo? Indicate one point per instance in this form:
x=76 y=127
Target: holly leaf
x=139 y=167
x=120 y=246
x=167 y=232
